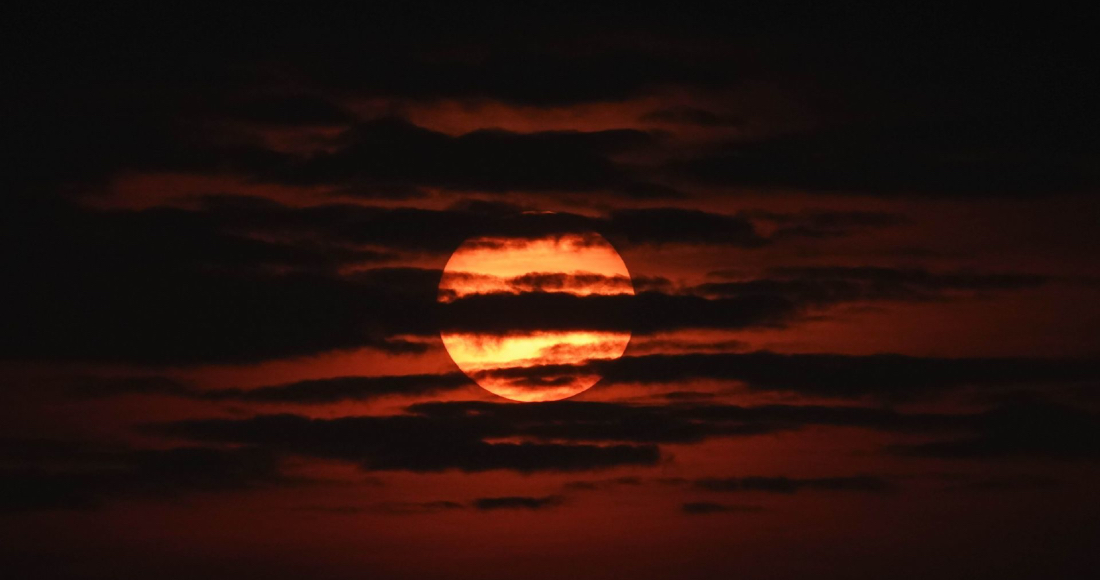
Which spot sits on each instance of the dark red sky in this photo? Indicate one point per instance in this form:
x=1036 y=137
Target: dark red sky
x=864 y=329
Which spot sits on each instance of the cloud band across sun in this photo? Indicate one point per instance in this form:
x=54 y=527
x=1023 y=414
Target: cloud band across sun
x=575 y=265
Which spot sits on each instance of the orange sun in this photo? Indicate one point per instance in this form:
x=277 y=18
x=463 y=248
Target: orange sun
x=516 y=365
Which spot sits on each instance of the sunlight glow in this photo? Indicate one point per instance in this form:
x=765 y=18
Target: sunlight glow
x=580 y=265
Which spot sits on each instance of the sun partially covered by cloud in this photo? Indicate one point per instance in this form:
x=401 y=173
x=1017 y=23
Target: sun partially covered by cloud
x=576 y=264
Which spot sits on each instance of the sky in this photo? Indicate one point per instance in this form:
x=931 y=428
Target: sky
x=539 y=291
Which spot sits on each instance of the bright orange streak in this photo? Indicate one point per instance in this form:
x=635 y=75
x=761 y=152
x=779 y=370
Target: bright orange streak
x=510 y=257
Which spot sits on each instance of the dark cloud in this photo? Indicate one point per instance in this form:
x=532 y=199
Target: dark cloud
x=419 y=443
x=644 y=283
x=770 y=301
x=331 y=390
x=980 y=154
x=554 y=61
x=557 y=281
x=692 y=116
x=169 y=286
x=860 y=483
x=96 y=387
x=822 y=286
x=883 y=376
x=780 y=485
x=892 y=107
x=65 y=145
x=696 y=508
x=44 y=475
x=560 y=436
x=1033 y=429
x=577 y=282
x=1013 y=430
x=454 y=435
x=517 y=502
x=926 y=123
x=644 y=345
x=166 y=315
x=1005 y=484
x=159 y=239
x=672 y=225
x=148 y=92
x=484 y=504
x=886 y=377
x=688 y=396
x=535 y=77
x=822 y=224
x=533 y=58
x=829 y=220
x=589 y=485
x=918 y=277
x=401 y=508
x=393 y=153
x=289 y=111
x=440 y=436
x=424 y=230
x=683 y=423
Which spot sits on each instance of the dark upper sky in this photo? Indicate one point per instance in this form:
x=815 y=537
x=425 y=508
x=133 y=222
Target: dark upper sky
x=862 y=243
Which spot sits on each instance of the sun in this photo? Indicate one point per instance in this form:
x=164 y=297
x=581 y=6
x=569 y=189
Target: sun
x=535 y=366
